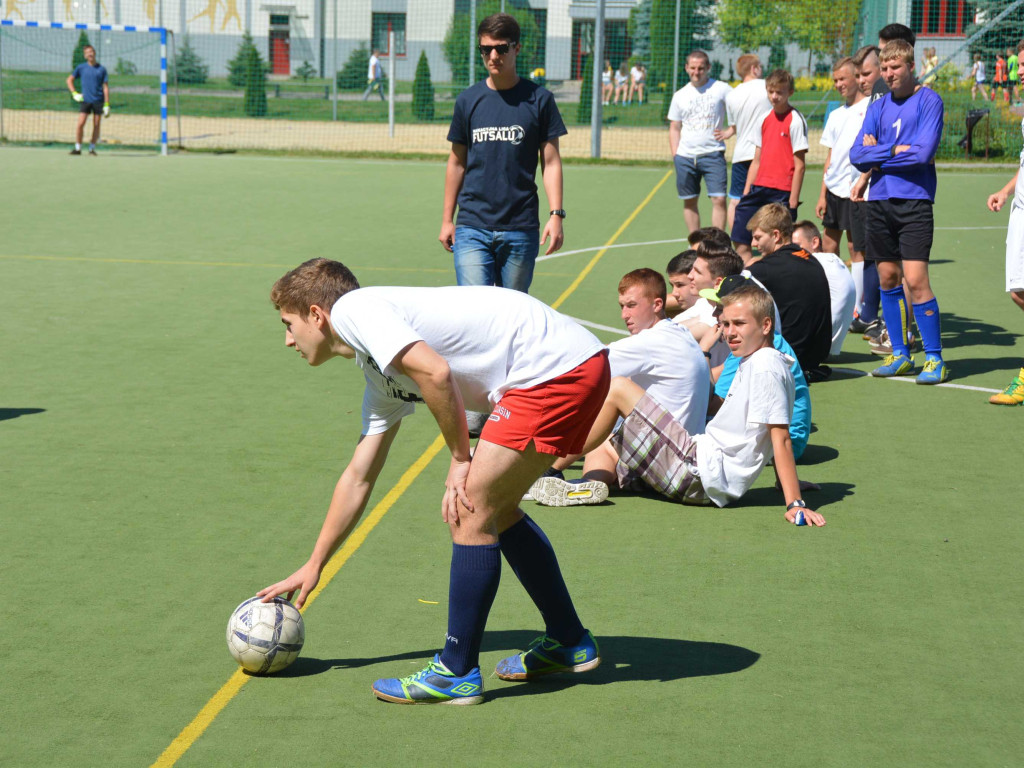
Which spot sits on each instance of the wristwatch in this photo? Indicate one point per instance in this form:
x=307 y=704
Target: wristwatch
x=558 y=212
x=798 y=503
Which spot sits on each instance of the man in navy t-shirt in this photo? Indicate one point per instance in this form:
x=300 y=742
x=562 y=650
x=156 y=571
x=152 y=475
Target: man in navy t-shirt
x=500 y=127
x=94 y=97
x=897 y=144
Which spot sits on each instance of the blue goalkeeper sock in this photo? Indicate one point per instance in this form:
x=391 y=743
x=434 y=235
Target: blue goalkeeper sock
x=927 y=316
x=870 y=298
x=894 y=310
x=533 y=559
x=475 y=573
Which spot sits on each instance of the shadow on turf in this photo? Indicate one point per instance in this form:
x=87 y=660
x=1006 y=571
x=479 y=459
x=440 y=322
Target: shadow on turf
x=623 y=658
x=13 y=413
x=830 y=493
x=959 y=331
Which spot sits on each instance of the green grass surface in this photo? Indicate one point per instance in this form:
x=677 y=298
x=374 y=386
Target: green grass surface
x=164 y=456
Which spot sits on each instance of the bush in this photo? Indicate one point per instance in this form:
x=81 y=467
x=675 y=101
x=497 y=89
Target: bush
x=306 y=71
x=423 y=90
x=457 y=40
x=352 y=76
x=124 y=67
x=188 y=67
x=77 y=57
x=1002 y=126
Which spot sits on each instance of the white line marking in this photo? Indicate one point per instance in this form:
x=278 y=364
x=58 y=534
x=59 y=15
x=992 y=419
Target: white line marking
x=608 y=328
x=911 y=380
x=617 y=245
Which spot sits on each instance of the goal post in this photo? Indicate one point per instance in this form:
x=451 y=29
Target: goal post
x=35 y=59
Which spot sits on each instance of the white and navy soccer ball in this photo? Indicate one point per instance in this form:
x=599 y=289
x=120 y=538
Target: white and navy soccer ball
x=265 y=637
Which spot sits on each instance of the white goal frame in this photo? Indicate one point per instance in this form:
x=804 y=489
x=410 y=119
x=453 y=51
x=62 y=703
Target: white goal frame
x=161 y=31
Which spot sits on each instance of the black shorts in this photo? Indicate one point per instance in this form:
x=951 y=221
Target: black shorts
x=858 y=235
x=750 y=204
x=96 y=107
x=838 y=212
x=899 y=230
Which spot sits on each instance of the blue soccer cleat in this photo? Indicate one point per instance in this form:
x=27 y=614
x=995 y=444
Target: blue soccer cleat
x=546 y=656
x=434 y=684
x=935 y=372
x=894 y=365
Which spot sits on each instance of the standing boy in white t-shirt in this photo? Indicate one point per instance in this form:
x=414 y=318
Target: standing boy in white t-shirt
x=750 y=428
x=541 y=377
x=696 y=114
x=745 y=106
x=1014 y=393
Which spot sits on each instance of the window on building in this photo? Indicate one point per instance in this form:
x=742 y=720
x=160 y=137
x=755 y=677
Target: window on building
x=383 y=23
x=941 y=18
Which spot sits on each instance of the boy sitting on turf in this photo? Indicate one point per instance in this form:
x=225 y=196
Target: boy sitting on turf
x=710 y=266
x=842 y=291
x=751 y=428
x=777 y=170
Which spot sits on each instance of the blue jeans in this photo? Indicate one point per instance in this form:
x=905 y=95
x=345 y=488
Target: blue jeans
x=505 y=259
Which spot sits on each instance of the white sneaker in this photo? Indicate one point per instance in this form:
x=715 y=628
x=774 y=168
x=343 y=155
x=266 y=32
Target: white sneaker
x=555 y=492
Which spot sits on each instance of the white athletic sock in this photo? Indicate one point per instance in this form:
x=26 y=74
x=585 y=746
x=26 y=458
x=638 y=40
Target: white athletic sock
x=857 y=268
x=78 y=146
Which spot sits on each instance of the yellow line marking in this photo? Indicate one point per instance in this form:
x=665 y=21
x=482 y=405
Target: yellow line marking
x=220 y=699
x=206 y=715
x=597 y=257
x=427 y=602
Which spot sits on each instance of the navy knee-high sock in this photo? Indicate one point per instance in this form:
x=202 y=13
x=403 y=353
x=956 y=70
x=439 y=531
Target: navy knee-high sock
x=872 y=296
x=475 y=573
x=533 y=559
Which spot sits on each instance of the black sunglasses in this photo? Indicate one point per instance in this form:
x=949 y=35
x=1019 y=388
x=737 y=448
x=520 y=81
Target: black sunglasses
x=501 y=48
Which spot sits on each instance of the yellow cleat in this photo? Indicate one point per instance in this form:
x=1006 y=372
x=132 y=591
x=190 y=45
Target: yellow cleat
x=1013 y=394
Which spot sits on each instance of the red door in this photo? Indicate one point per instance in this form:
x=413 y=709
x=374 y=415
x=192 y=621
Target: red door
x=280 y=56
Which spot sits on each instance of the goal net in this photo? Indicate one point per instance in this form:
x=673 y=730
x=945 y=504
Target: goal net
x=36 y=59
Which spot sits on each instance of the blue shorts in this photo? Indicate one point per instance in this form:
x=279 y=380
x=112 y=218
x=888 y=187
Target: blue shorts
x=739 y=179
x=690 y=170
x=750 y=204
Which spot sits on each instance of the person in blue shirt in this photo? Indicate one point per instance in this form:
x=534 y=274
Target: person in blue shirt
x=897 y=144
x=500 y=128
x=93 y=99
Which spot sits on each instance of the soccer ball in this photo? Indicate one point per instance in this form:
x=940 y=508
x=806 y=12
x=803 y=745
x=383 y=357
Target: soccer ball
x=265 y=637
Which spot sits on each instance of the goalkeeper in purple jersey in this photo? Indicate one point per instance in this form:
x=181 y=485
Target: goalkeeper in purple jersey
x=897 y=144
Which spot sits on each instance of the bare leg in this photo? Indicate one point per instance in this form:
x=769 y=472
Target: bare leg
x=691 y=214
x=600 y=465
x=80 y=128
x=732 y=213
x=96 y=128
x=718 y=212
x=831 y=239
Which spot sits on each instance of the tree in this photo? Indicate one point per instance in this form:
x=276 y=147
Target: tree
x=457 y=40
x=77 y=56
x=423 y=90
x=238 y=67
x=639 y=28
x=695 y=19
x=254 y=72
x=352 y=76
x=998 y=36
x=585 y=108
x=306 y=71
x=188 y=67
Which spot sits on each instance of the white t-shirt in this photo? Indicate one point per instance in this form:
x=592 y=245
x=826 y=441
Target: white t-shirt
x=746 y=106
x=701 y=112
x=843 y=295
x=737 y=444
x=637 y=74
x=620 y=79
x=840 y=132
x=667 y=363
x=494 y=340
x=1018 y=192
x=702 y=311
x=373 y=72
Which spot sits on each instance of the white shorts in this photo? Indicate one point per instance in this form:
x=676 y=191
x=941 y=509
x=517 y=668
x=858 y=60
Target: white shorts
x=1015 y=250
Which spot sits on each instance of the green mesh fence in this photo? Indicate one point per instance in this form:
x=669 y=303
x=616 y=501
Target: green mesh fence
x=298 y=75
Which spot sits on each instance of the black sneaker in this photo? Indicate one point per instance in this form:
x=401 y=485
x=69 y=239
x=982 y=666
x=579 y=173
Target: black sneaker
x=75 y=152
x=858 y=326
x=92 y=152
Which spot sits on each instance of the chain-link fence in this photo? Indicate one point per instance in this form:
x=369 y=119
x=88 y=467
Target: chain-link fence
x=382 y=75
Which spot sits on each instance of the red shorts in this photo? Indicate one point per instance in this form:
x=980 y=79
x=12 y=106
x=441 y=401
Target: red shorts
x=556 y=415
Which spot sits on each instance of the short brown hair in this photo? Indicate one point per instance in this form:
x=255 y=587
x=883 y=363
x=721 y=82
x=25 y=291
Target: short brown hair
x=500 y=26
x=846 y=61
x=745 y=63
x=780 y=78
x=319 y=282
x=897 y=49
x=709 y=237
x=771 y=217
x=697 y=53
x=652 y=282
x=682 y=263
x=809 y=229
x=757 y=299
x=722 y=262
x=862 y=54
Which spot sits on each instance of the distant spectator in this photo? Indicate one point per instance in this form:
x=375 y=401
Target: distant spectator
x=374 y=77
x=607 y=86
x=637 y=82
x=978 y=78
x=1012 y=72
x=622 y=83
x=1000 y=80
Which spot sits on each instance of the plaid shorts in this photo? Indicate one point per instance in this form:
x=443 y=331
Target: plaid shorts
x=655 y=451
